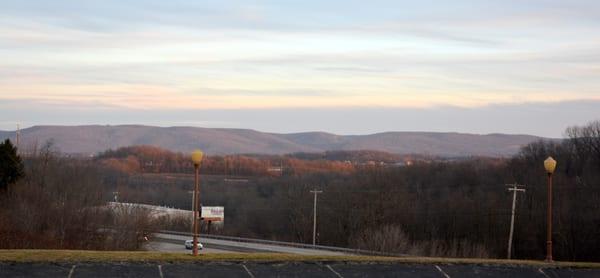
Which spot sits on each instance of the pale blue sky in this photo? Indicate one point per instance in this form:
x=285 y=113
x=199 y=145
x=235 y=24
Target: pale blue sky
x=349 y=67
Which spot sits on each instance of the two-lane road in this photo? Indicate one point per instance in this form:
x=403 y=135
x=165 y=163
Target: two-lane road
x=236 y=246
x=177 y=246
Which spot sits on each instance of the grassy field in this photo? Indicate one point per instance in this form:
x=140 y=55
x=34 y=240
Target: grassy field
x=144 y=256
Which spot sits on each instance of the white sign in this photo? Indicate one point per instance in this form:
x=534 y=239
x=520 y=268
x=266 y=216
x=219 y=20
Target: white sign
x=213 y=213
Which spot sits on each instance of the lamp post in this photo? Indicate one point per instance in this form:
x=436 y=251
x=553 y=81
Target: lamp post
x=196 y=158
x=550 y=165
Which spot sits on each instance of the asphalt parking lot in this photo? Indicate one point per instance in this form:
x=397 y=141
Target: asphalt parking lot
x=285 y=269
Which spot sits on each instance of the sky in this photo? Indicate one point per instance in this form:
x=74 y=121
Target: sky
x=347 y=67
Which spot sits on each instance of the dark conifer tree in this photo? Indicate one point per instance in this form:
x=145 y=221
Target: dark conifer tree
x=11 y=166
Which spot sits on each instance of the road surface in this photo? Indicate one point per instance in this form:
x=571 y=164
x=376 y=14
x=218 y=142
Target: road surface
x=246 y=246
x=178 y=247
x=282 y=269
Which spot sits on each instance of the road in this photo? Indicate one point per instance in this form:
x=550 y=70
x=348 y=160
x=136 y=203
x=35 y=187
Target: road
x=178 y=247
x=285 y=269
x=226 y=245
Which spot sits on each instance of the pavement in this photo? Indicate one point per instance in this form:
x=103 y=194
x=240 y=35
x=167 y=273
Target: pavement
x=227 y=245
x=282 y=269
x=178 y=246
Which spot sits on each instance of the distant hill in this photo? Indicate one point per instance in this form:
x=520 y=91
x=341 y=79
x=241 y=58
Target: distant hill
x=92 y=139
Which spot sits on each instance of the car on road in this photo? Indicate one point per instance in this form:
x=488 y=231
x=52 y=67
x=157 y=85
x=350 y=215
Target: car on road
x=189 y=244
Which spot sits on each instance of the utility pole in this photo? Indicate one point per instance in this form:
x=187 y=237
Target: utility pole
x=192 y=210
x=315 y=216
x=18 y=136
x=514 y=188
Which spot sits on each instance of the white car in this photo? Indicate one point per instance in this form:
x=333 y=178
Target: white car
x=189 y=244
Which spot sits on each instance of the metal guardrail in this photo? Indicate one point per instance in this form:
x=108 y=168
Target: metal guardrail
x=290 y=244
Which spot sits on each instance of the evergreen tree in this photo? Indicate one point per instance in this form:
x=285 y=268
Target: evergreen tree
x=11 y=166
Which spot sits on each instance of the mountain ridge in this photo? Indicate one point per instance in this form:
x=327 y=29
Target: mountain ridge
x=91 y=139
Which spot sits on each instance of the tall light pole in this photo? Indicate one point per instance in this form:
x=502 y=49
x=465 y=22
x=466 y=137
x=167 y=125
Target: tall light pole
x=196 y=158
x=550 y=165
x=315 y=216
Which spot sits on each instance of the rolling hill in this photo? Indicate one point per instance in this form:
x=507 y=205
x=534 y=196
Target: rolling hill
x=91 y=139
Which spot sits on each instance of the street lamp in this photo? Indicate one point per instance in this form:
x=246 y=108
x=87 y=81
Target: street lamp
x=550 y=165
x=196 y=158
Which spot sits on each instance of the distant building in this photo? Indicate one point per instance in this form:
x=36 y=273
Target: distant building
x=275 y=170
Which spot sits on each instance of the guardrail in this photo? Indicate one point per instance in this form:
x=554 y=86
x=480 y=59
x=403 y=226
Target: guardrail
x=290 y=244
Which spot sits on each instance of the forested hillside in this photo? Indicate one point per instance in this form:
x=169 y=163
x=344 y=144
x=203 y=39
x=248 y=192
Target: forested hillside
x=89 y=140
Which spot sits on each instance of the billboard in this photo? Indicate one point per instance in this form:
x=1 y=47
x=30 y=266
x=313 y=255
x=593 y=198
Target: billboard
x=212 y=214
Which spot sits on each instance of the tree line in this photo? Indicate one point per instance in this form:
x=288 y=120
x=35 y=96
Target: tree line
x=150 y=159
x=48 y=201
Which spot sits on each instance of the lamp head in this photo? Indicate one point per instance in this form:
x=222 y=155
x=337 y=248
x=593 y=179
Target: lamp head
x=550 y=165
x=197 y=157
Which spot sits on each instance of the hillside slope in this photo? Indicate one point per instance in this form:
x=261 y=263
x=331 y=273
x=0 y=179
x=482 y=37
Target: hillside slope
x=91 y=139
